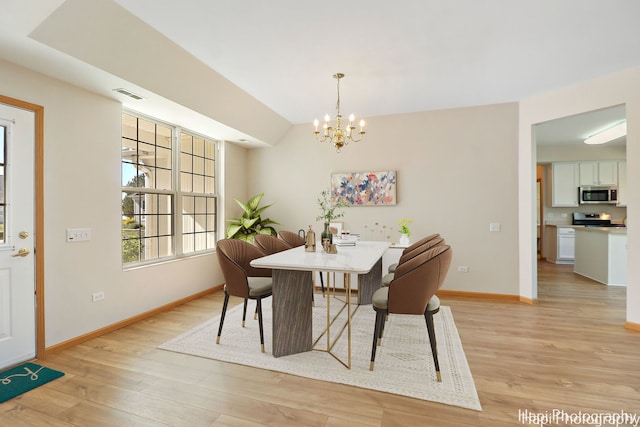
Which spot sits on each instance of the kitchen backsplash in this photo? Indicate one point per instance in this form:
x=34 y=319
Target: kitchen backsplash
x=560 y=216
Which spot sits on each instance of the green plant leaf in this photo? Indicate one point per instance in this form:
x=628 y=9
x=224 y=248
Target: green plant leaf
x=255 y=201
x=270 y=231
x=232 y=230
x=249 y=222
x=258 y=212
x=245 y=208
x=268 y=221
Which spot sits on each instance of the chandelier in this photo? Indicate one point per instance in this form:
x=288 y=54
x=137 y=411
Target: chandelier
x=338 y=136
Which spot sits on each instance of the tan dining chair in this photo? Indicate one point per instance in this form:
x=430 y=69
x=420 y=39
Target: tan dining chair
x=413 y=247
x=241 y=279
x=270 y=244
x=413 y=291
x=424 y=246
x=293 y=239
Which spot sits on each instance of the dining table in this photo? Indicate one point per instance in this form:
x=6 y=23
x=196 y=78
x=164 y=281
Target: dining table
x=292 y=290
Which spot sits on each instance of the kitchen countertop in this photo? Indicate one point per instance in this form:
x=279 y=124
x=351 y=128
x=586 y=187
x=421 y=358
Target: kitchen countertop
x=617 y=230
x=611 y=230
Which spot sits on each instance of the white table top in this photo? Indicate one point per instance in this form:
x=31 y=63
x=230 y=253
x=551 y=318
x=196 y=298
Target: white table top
x=358 y=259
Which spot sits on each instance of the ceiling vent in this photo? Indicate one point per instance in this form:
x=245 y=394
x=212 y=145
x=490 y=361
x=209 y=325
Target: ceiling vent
x=129 y=94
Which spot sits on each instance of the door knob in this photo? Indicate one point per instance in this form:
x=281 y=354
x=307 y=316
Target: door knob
x=21 y=252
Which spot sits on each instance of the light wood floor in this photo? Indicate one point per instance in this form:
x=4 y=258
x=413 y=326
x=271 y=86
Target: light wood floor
x=569 y=352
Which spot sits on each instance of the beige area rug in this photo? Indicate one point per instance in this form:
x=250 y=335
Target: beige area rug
x=404 y=365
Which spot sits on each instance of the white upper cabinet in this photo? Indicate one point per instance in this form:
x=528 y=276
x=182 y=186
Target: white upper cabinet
x=622 y=183
x=599 y=173
x=565 y=182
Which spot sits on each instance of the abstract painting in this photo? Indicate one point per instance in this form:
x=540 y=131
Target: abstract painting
x=364 y=188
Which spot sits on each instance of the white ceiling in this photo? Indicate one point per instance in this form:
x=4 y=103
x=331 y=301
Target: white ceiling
x=398 y=57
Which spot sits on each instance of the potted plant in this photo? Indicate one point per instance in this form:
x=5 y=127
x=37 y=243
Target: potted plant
x=251 y=222
x=404 y=230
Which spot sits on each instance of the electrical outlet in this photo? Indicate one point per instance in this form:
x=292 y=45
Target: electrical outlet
x=98 y=296
x=495 y=227
x=463 y=269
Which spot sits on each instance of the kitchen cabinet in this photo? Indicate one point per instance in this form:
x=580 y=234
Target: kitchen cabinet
x=560 y=244
x=622 y=183
x=601 y=255
x=599 y=173
x=565 y=182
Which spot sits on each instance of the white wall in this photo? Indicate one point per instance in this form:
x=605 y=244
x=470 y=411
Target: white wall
x=235 y=176
x=456 y=172
x=615 y=89
x=82 y=189
x=584 y=152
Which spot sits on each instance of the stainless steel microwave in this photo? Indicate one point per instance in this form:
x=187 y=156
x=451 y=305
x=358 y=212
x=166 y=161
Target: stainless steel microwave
x=598 y=195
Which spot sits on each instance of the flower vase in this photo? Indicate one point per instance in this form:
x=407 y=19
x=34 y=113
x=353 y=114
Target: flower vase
x=326 y=236
x=404 y=239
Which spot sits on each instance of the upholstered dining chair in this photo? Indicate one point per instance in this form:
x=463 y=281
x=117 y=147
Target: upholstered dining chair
x=406 y=256
x=413 y=292
x=293 y=239
x=241 y=279
x=413 y=247
x=296 y=240
x=270 y=244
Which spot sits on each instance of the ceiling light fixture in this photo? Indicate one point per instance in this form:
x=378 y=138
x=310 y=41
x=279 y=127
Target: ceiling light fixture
x=338 y=136
x=609 y=134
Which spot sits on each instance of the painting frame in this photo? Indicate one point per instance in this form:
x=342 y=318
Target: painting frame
x=370 y=188
x=338 y=226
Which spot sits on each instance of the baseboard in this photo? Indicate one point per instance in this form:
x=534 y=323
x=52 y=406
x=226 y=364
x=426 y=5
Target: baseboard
x=632 y=326
x=126 y=322
x=452 y=293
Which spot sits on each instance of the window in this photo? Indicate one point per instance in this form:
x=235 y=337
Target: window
x=150 y=196
x=197 y=184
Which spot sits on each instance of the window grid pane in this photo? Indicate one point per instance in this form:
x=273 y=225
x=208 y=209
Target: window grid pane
x=146 y=154
x=199 y=223
x=197 y=165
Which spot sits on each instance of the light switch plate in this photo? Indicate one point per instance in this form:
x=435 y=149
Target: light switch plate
x=78 y=234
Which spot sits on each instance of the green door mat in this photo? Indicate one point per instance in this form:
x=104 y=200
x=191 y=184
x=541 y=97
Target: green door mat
x=18 y=380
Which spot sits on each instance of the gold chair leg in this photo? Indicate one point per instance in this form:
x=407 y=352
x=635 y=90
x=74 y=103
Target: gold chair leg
x=371 y=366
x=218 y=340
x=439 y=376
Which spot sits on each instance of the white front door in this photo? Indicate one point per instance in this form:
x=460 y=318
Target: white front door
x=17 y=226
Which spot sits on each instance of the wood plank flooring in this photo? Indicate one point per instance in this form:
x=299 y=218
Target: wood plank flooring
x=567 y=352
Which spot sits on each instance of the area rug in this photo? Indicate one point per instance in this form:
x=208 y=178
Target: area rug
x=18 y=380
x=403 y=366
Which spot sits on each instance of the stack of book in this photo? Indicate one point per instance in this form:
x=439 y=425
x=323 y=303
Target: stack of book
x=346 y=239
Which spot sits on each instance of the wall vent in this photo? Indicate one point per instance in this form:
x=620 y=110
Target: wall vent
x=129 y=94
